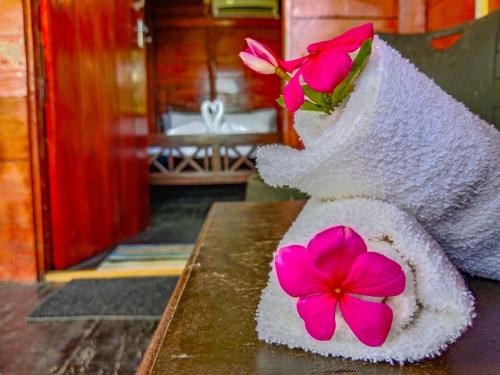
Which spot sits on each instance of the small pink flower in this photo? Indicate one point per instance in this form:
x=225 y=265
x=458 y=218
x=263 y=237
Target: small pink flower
x=326 y=65
x=333 y=269
x=259 y=58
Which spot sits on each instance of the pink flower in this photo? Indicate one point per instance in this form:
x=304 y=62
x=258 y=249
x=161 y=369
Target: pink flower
x=333 y=270
x=259 y=58
x=326 y=65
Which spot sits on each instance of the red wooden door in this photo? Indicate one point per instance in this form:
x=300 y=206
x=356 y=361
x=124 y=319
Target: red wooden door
x=96 y=128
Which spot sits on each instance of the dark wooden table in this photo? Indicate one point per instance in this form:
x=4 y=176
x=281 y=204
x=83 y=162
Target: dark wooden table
x=209 y=327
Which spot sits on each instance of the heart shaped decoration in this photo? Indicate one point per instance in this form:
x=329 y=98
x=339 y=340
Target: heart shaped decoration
x=212 y=113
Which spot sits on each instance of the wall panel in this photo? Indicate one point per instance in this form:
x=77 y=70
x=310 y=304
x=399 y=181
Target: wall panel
x=443 y=14
x=17 y=242
x=17 y=255
x=14 y=142
x=195 y=57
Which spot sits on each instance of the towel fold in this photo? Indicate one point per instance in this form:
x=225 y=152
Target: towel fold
x=401 y=139
x=432 y=312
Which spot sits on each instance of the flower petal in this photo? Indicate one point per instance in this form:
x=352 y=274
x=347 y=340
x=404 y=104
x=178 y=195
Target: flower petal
x=293 y=94
x=373 y=274
x=369 y=321
x=349 y=41
x=261 y=51
x=334 y=250
x=257 y=64
x=296 y=275
x=290 y=65
x=324 y=71
x=318 y=313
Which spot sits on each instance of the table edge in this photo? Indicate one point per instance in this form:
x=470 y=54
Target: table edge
x=151 y=354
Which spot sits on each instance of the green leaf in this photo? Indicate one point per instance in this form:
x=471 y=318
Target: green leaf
x=316 y=97
x=310 y=106
x=346 y=86
x=307 y=106
x=363 y=54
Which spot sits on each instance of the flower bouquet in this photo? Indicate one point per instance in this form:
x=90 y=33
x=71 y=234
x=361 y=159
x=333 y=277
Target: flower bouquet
x=397 y=171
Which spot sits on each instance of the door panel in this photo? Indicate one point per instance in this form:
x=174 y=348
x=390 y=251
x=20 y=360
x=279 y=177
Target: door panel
x=96 y=126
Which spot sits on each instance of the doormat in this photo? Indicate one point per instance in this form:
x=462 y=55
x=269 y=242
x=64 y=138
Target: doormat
x=143 y=256
x=143 y=298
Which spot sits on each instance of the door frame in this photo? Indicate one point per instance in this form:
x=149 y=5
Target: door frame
x=36 y=125
x=35 y=22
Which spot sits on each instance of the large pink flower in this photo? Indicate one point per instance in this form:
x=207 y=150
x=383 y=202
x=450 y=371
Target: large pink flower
x=326 y=65
x=335 y=269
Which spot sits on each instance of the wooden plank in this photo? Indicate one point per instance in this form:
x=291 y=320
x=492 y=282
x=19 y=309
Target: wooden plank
x=76 y=347
x=175 y=9
x=205 y=22
x=11 y=17
x=208 y=326
x=200 y=178
x=18 y=257
x=158 y=139
x=444 y=14
x=12 y=66
x=14 y=139
x=17 y=247
x=344 y=8
x=36 y=130
x=15 y=193
x=412 y=16
x=66 y=276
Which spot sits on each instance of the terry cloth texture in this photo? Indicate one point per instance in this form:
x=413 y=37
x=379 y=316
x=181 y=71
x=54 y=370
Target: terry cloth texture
x=125 y=298
x=401 y=139
x=434 y=310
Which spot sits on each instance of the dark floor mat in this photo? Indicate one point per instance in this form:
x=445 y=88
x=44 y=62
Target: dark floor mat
x=178 y=212
x=126 y=298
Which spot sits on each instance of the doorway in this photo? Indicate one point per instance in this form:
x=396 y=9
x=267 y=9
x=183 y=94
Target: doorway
x=95 y=104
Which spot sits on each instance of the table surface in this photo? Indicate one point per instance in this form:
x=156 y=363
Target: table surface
x=209 y=327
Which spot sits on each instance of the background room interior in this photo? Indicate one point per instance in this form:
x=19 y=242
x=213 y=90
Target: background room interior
x=107 y=143
x=122 y=122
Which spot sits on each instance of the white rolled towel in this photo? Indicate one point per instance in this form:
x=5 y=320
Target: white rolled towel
x=433 y=311
x=401 y=139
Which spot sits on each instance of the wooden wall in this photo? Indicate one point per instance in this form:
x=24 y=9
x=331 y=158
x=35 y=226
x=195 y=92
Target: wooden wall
x=18 y=257
x=96 y=135
x=195 y=57
x=443 y=14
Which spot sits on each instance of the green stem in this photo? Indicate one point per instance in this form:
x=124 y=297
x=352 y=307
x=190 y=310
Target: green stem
x=282 y=74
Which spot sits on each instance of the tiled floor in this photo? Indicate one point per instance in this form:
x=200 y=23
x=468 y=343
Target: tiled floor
x=100 y=346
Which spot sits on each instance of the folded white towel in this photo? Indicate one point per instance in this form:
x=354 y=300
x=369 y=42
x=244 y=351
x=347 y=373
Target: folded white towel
x=433 y=311
x=400 y=138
